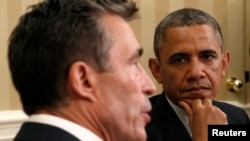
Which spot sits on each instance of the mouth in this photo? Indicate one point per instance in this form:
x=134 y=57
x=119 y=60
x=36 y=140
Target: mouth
x=196 y=90
x=146 y=109
x=194 y=94
x=188 y=95
x=146 y=117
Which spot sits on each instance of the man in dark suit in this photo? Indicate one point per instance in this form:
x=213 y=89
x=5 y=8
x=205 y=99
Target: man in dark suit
x=190 y=64
x=75 y=65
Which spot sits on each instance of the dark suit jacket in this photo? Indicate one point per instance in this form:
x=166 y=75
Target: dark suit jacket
x=166 y=126
x=31 y=131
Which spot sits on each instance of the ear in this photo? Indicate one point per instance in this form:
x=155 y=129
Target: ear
x=225 y=62
x=79 y=83
x=154 y=66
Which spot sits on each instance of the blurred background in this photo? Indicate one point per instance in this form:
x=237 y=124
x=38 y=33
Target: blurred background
x=233 y=16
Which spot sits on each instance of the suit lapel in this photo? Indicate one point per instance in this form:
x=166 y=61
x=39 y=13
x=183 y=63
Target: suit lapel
x=164 y=114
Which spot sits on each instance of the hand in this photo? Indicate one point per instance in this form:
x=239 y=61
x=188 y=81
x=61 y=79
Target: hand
x=201 y=113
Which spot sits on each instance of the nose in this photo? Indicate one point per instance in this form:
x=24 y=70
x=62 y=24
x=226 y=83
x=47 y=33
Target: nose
x=148 y=86
x=195 y=70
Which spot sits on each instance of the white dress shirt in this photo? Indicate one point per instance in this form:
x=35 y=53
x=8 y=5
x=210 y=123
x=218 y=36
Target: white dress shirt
x=76 y=130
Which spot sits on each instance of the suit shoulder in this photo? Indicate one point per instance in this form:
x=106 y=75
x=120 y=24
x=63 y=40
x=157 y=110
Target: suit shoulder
x=227 y=105
x=235 y=114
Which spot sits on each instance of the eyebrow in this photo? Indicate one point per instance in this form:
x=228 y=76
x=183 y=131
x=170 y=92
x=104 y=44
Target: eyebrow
x=209 y=51
x=179 y=54
x=184 y=54
x=138 y=53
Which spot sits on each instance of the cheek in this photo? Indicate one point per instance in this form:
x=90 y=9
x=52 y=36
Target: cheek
x=172 y=77
x=217 y=68
x=216 y=79
x=128 y=85
x=215 y=73
x=119 y=92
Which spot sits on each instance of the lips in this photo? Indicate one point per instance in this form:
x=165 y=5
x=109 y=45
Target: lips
x=196 y=89
x=194 y=92
x=199 y=88
x=146 y=109
x=146 y=117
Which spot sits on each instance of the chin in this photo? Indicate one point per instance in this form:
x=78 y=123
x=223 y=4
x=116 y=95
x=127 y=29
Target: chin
x=188 y=101
x=141 y=135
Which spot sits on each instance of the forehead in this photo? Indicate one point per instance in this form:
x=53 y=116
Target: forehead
x=193 y=32
x=186 y=38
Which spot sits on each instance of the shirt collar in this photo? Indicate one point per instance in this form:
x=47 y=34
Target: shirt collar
x=181 y=115
x=78 y=131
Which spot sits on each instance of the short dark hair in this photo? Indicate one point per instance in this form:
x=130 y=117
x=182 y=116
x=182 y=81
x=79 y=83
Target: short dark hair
x=184 y=17
x=50 y=37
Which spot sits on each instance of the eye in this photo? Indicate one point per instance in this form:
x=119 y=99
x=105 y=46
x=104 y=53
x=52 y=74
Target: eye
x=136 y=63
x=177 y=60
x=208 y=56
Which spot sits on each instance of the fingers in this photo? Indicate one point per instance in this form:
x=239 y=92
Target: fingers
x=219 y=117
x=202 y=104
x=197 y=103
x=207 y=101
x=187 y=108
x=203 y=110
x=203 y=113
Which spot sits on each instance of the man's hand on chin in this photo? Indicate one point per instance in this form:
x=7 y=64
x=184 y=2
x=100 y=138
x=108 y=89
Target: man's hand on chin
x=201 y=113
